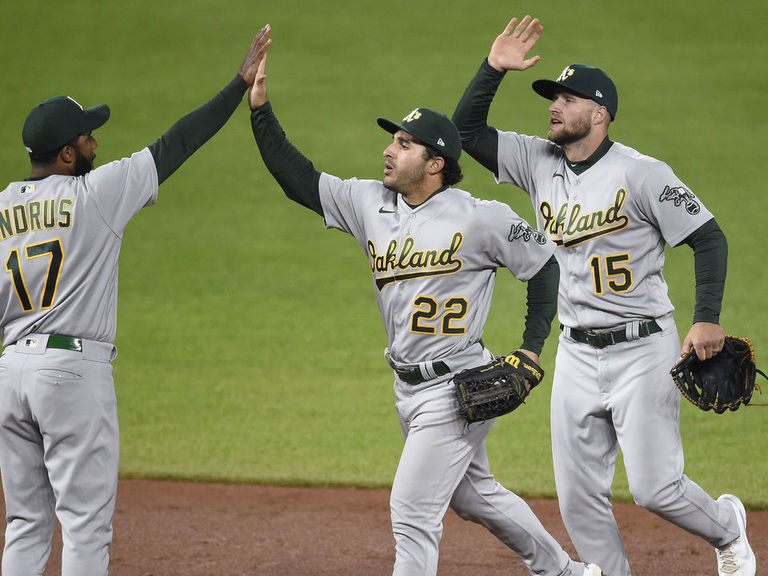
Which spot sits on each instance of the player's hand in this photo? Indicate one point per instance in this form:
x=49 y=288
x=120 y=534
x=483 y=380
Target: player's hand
x=256 y=53
x=533 y=356
x=706 y=338
x=258 y=95
x=510 y=48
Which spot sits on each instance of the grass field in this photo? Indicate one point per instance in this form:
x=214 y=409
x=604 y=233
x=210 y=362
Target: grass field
x=250 y=342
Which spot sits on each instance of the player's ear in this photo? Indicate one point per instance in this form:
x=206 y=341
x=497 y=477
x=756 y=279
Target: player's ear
x=67 y=154
x=600 y=115
x=435 y=165
x=66 y=160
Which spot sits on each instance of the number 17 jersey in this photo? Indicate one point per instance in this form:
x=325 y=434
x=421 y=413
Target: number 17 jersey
x=60 y=239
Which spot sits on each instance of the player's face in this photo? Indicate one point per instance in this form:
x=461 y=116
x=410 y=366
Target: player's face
x=570 y=118
x=405 y=164
x=84 y=154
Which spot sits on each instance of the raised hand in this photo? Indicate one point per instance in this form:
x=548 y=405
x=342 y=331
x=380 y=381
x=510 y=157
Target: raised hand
x=256 y=53
x=510 y=48
x=258 y=94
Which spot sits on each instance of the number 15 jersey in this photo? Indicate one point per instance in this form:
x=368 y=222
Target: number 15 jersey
x=611 y=222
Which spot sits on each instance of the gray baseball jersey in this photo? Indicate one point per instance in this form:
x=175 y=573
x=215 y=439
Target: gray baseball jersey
x=611 y=223
x=59 y=240
x=630 y=203
x=434 y=265
x=433 y=269
x=62 y=278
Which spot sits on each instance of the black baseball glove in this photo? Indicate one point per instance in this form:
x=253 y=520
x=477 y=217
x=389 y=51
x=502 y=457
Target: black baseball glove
x=492 y=390
x=725 y=381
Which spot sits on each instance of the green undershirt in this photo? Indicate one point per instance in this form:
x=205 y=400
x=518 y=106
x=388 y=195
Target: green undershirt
x=193 y=130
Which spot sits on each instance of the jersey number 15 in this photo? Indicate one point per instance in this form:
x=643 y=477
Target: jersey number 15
x=617 y=276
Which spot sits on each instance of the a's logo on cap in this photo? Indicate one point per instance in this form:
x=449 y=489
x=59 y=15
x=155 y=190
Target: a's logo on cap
x=566 y=73
x=415 y=115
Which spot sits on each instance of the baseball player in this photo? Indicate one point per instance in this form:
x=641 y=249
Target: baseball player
x=60 y=236
x=433 y=251
x=611 y=211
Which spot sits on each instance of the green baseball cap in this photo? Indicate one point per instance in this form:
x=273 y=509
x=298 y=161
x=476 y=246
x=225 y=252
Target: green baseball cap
x=432 y=128
x=56 y=121
x=586 y=81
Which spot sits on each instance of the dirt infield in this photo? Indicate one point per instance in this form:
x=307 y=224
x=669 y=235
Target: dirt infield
x=180 y=528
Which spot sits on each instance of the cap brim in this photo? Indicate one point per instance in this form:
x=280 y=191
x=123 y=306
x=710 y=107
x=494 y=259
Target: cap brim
x=96 y=116
x=390 y=126
x=545 y=88
x=548 y=89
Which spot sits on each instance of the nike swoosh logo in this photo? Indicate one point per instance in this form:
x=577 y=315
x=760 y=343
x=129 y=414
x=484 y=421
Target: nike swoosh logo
x=558 y=174
x=383 y=211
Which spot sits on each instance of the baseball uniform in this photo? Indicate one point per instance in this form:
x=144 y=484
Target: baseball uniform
x=60 y=239
x=433 y=269
x=611 y=216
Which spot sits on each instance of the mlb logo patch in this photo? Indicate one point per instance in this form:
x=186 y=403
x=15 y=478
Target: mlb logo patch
x=27 y=188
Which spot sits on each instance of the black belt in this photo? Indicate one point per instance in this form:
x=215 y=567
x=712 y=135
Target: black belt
x=65 y=343
x=414 y=375
x=603 y=339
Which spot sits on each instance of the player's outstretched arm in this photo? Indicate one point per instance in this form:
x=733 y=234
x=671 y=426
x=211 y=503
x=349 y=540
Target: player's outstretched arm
x=193 y=130
x=508 y=52
x=511 y=47
x=291 y=169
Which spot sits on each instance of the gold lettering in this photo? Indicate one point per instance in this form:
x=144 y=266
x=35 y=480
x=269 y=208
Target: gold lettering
x=34 y=216
x=414 y=264
x=5 y=223
x=20 y=219
x=49 y=210
x=65 y=213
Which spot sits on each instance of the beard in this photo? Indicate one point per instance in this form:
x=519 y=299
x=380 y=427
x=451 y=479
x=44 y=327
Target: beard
x=404 y=182
x=83 y=165
x=568 y=135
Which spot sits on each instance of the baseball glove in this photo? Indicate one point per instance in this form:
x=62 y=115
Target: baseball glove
x=725 y=381
x=495 y=389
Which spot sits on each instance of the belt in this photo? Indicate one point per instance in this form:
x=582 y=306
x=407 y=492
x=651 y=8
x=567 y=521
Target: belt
x=64 y=343
x=603 y=339
x=414 y=375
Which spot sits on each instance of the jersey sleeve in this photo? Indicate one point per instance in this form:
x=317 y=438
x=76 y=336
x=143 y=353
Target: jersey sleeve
x=676 y=210
x=121 y=188
x=345 y=202
x=518 y=154
x=513 y=243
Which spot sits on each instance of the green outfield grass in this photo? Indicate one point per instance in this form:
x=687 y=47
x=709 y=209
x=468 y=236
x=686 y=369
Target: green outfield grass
x=250 y=342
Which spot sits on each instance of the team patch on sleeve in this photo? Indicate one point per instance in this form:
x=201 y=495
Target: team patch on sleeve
x=681 y=196
x=521 y=231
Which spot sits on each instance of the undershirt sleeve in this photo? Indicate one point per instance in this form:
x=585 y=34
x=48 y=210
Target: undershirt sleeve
x=294 y=172
x=193 y=130
x=542 y=306
x=471 y=117
x=710 y=254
